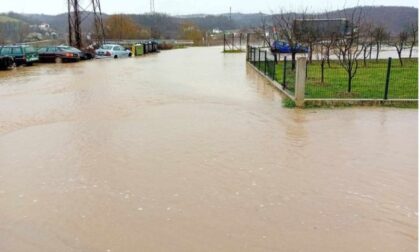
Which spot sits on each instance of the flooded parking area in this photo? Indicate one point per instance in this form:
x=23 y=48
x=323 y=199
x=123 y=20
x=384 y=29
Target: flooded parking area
x=191 y=150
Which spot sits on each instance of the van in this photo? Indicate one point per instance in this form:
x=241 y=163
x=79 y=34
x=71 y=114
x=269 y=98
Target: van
x=21 y=54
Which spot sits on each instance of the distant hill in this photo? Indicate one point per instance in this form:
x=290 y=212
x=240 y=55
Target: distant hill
x=7 y=19
x=393 y=18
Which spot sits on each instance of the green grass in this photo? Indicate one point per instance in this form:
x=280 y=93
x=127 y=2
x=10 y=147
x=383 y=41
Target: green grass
x=288 y=103
x=369 y=82
x=234 y=51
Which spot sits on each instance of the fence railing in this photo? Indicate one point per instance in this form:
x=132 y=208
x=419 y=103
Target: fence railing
x=383 y=79
x=380 y=80
x=268 y=63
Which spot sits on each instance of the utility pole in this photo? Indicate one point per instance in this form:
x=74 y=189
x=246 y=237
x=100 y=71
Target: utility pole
x=152 y=6
x=77 y=25
x=75 y=21
x=70 y=22
x=99 y=24
x=75 y=32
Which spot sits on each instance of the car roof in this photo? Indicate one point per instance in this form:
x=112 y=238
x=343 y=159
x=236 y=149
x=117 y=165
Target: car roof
x=16 y=46
x=46 y=47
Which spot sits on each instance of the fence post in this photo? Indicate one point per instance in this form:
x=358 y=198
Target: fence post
x=300 y=82
x=265 y=62
x=224 y=42
x=388 y=75
x=322 y=70
x=284 y=71
x=247 y=53
x=274 y=66
x=233 y=41
x=259 y=58
x=250 y=53
x=254 y=55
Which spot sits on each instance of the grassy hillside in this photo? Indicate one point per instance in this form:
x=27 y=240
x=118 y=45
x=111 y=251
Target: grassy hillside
x=7 y=19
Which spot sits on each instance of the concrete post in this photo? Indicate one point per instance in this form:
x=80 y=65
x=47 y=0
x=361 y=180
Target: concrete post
x=300 y=82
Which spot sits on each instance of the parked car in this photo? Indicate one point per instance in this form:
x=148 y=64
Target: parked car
x=6 y=62
x=283 y=47
x=84 y=55
x=57 y=54
x=21 y=54
x=112 y=51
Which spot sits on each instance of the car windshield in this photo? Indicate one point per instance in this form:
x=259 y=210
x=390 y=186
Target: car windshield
x=69 y=48
x=63 y=49
x=16 y=50
x=106 y=47
x=29 y=49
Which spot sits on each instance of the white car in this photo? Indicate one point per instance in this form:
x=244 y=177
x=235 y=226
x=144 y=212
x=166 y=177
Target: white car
x=112 y=51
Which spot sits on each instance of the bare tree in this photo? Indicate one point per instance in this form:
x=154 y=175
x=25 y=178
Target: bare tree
x=311 y=38
x=21 y=32
x=348 y=47
x=380 y=35
x=264 y=28
x=399 y=43
x=413 y=37
x=2 y=34
x=283 y=24
x=366 y=40
x=329 y=43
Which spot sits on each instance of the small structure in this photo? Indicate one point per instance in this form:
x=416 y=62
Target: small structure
x=305 y=29
x=138 y=49
x=233 y=42
x=44 y=27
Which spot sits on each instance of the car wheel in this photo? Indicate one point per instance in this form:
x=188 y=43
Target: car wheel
x=58 y=60
x=116 y=57
x=129 y=55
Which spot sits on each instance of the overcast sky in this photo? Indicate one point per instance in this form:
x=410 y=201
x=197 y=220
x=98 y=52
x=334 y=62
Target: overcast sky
x=178 y=7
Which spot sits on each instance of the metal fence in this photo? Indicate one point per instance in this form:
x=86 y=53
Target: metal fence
x=267 y=62
x=382 y=79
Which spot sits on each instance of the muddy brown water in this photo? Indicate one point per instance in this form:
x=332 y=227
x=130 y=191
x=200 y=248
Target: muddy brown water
x=190 y=150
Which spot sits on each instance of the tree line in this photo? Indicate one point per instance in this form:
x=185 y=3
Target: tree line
x=123 y=26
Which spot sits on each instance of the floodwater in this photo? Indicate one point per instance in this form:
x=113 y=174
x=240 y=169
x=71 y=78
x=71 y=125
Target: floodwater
x=190 y=150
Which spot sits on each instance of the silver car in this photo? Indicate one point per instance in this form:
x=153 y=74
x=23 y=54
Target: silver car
x=112 y=51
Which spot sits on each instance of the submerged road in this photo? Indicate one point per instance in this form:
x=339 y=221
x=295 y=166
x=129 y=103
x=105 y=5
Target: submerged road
x=190 y=150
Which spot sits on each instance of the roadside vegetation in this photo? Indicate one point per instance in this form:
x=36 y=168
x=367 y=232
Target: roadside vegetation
x=234 y=51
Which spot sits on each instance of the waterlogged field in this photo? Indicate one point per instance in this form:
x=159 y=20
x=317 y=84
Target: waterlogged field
x=164 y=153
